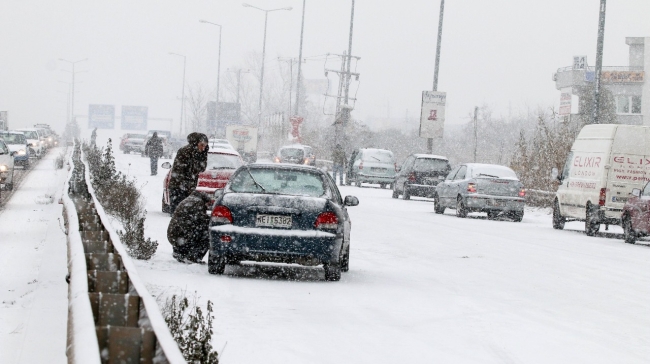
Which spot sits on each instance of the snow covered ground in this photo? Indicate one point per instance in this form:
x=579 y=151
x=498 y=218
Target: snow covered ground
x=33 y=266
x=424 y=288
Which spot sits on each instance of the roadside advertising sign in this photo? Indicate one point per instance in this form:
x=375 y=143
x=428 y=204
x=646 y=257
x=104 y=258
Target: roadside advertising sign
x=134 y=117
x=579 y=63
x=565 y=103
x=101 y=116
x=432 y=117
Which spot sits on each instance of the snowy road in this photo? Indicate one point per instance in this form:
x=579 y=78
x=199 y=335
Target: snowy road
x=425 y=288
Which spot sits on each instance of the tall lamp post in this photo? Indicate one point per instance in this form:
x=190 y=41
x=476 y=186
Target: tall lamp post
x=266 y=18
x=219 y=60
x=302 y=31
x=73 y=63
x=180 y=128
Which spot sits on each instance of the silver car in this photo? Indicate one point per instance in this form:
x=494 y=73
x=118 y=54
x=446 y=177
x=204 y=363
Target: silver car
x=474 y=187
x=369 y=165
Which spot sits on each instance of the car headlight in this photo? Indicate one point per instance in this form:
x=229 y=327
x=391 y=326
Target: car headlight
x=42 y=142
x=21 y=152
x=3 y=168
x=50 y=138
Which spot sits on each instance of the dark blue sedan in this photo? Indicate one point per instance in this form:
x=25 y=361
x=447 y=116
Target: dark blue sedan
x=281 y=213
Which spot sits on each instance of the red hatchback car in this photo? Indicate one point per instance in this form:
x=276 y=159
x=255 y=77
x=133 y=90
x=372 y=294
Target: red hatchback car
x=636 y=215
x=222 y=163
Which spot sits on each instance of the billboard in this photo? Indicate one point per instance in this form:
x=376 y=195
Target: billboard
x=134 y=117
x=623 y=76
x=432 y=116
x=101 y=116
x=243 y=138
x=565 y=103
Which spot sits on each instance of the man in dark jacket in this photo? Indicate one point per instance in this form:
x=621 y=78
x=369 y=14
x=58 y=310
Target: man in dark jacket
x=190 y=160
x=188 y=229
x=338 y=163
x=154 y=150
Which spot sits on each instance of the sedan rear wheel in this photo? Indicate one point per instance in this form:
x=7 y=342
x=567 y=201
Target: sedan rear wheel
x=628 y=232
x=216 y=264
x=461 y=210
x=517 y=216
x=437 y=207
x=395 y=193
x=492 y=214
x=332 y=271
x=357 y=183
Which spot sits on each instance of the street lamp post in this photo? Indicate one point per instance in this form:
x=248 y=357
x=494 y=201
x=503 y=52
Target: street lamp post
x=219 y=59
x=72 y=92
x=302 y=31
x=266 y=17
x=180 y=128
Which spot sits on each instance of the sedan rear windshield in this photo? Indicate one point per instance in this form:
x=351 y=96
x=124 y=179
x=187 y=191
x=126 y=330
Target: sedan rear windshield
x=13 y=138
x=292 y=152
x=378 y=156
x=136 y=136
x=493 y=172
x=278 y=181
x=223 y=161
x=429 y=164
x=31 y=134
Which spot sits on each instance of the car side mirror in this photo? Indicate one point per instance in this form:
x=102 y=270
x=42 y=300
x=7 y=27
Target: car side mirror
x=166 y=165
x=636 y=192
x=554 y=173
x=350 y=201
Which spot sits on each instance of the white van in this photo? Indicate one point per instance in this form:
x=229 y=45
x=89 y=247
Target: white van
x=605 y=163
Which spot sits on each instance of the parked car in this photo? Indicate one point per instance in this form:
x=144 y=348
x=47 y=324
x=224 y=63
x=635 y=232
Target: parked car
x=17 y=144
x=296 y=154
x=635 y=218
x=281 y=213
x=221 y=165
x=6 y=167
x=419 y=175
x=52 y=137
x=369 y=165
x=132 y=142
x=36 y=145
x=606 y=162
x=475 y=187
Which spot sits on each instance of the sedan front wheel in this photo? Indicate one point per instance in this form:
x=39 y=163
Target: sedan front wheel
x=461 y=210
x=628 y=232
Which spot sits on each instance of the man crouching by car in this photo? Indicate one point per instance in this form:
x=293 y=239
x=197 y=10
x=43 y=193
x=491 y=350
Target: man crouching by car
x=188 y=229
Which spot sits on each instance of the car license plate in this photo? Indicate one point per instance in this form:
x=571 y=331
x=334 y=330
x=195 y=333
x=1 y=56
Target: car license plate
x=378 y=170
x=273 y=221
x=496 y=203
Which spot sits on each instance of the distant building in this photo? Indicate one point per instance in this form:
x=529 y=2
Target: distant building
x=628 y=84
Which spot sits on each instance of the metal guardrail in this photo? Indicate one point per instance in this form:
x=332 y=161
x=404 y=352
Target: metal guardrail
x=111 y=316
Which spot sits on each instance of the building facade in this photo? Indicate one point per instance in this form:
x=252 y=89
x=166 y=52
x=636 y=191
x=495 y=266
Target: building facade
x=628 y=84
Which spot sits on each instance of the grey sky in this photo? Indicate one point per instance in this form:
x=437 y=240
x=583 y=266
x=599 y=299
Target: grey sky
x=501 y=53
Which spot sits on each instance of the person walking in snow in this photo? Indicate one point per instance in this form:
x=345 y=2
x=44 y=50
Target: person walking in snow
x=154 y=150
x=188 y=229
x=338 y=159
x=190 y=160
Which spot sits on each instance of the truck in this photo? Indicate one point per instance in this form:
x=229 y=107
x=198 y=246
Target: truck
x=244 y=139
x=606 y=162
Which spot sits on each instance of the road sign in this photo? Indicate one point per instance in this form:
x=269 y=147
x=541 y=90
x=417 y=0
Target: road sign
x=101 y=116
x=134 y=117
x=432 y=117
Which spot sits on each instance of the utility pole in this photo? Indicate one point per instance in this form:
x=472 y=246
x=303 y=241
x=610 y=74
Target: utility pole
x=302 y=30
x=290 y=62
x=73 y=63
x=475 y=131
x=437 y=66
x=599 y=62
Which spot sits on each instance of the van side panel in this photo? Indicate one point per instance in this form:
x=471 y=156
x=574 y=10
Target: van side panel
x=629 y=166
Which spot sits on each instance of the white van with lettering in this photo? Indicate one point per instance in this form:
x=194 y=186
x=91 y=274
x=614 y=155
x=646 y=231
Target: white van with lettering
x=606 y=162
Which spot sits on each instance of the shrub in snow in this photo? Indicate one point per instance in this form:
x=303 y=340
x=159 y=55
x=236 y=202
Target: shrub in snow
x=191 y=329
x=121 y=198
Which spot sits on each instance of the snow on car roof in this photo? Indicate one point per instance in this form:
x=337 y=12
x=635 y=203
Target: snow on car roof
x=420 y=155
x=223 y=151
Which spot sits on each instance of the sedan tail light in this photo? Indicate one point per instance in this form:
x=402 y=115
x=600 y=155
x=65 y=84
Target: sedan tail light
x=412 y=177
x=602 y=197
x=221 y=215
x=396 y=168
x=522 y=192
x=471 y=187
x=277 y=160
x=327 y=220
x=361 y=165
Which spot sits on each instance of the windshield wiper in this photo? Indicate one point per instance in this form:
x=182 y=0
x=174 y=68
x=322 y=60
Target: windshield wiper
x=253 y=178
x=486 y=175
x=376 y=158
